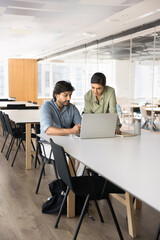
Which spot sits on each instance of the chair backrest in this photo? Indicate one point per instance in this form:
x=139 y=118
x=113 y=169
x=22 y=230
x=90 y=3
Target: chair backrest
x=16 y=106
x=8 y=124
x=61 y=164
x=3 y=121
x=31 y=107
x=3 y=99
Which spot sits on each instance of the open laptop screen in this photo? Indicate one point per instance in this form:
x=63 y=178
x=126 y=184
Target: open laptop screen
x=100 y=125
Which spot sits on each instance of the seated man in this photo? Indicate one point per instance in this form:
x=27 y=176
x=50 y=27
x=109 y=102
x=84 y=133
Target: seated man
x=58 y=115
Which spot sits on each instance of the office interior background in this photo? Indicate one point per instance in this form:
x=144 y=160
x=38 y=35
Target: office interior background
x=44 y=41
x=47 y=41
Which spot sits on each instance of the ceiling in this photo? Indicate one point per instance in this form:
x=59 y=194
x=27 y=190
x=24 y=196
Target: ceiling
x=38 y=28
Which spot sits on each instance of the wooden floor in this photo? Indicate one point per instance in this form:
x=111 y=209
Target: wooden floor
x=21 y=217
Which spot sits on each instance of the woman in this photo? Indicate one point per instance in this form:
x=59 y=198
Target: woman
x=101 y=98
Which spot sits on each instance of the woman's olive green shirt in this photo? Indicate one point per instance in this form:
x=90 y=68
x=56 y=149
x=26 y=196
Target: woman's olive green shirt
x=107 y=103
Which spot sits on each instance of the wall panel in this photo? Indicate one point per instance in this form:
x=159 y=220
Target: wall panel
x=23 y=79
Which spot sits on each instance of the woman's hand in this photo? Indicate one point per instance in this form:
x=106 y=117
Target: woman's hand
x=118 y=132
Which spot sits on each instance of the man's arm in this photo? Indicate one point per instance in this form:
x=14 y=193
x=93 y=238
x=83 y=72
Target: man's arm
x=63 y=131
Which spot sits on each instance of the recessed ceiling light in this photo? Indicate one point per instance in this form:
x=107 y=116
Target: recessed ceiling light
x=86 y=34
x=112 y=20
x=148 y=14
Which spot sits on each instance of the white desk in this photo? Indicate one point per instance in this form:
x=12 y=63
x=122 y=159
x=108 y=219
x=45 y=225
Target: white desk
x=4 y=104
x=27 y=117
x=133 y=163
x=130 y=162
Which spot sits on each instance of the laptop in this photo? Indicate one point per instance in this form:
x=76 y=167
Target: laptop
x=101 y=125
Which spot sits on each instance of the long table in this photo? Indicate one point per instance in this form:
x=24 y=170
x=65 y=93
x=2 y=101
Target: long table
x=27 y=117
x=132 y=163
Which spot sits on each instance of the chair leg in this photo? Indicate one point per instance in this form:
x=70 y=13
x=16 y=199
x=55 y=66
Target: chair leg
x=40 y=177
x=33 y=145
x=55 y=170
x=10 y=148
x=154 y=127
x=114 y=218
x=61 y=208
x=145 y=124
x=158 y=233
x=14 y=158
x=23 y=146
x=81 y=217
x=36 y=157
x=4 y=142
x=95 y=200
x=99 y=211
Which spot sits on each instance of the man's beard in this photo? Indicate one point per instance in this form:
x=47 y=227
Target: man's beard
x=65 y=103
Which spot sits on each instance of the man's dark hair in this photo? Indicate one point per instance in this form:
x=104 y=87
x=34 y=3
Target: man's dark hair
x=62 y=86
x=99 y=78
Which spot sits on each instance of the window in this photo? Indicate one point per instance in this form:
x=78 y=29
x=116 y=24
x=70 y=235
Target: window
x=144 y=80
x=76 y=73
x=3 y=79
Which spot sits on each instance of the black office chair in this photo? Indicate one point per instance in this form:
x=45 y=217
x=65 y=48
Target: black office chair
x=3 y=99
x=16 y=133
x=16 y=106
x=45 y=160
x=4 y=128
x=91 y=187
x=31 y=107
x=148 y=119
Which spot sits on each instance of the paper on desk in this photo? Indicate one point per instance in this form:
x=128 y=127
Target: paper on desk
x=126 y=134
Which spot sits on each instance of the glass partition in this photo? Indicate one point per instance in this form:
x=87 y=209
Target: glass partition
x=131 y=65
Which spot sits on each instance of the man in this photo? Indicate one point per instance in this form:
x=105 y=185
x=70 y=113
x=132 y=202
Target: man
x=58 y=115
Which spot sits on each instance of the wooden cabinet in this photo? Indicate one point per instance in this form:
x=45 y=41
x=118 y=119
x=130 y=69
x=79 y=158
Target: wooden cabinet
x=23 y=79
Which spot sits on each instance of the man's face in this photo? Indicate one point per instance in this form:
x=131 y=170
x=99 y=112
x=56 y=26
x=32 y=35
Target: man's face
x=63 y=99
x=97 y=89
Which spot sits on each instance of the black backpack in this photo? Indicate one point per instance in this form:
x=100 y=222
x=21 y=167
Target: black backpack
x=52 y=205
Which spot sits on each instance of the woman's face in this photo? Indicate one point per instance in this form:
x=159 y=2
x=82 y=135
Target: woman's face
x=97 y=89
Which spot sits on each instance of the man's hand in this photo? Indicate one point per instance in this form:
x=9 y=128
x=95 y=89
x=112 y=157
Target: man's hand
x=76 y=129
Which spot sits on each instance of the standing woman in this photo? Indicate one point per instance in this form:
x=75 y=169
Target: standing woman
x=101 y=98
